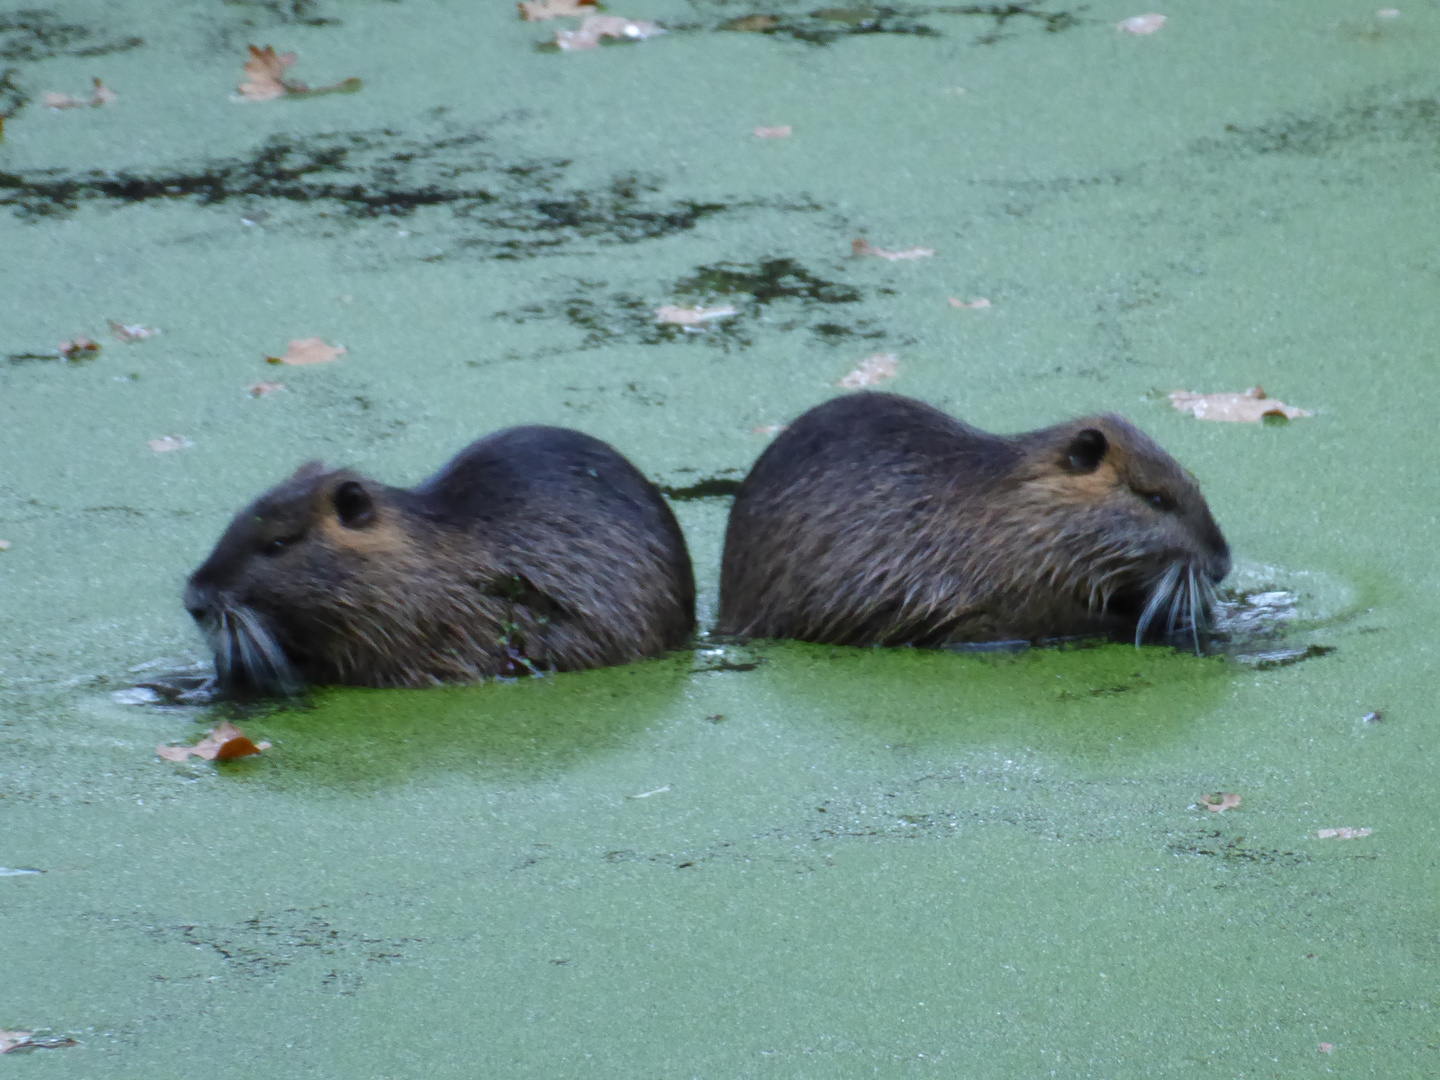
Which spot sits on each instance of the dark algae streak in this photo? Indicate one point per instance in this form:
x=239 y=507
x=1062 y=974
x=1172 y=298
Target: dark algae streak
x=36 y=34
x=825 y=26
x=505 y=208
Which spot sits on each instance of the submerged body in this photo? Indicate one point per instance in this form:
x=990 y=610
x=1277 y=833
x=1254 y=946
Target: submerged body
x=534 y=549
x=875 y=519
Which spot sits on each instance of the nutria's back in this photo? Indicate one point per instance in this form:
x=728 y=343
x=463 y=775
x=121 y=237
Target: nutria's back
x=877 y=519
x=535 y=548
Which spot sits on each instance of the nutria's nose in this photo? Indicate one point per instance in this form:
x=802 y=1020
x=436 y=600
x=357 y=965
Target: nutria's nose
x=199 y=601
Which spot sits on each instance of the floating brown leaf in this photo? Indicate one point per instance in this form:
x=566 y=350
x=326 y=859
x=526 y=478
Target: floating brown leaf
x=783 y=131
x=166 y=443
x=1220 y=801
x=82 y=348
x=1141 y=24
x=1251 y=407
x=222 y=744
x=1345 y=832
x=101 y=95
x=310 y=350
x=970 y=305
x=132 y=331
x=596 y=27
x=696 y=316
x=861 y=246
x=752 y=23
x=13 y=1042
x=539 y=10
x=1326 y=1048
x=873 y=369
x=260 y=389
x=267 y=78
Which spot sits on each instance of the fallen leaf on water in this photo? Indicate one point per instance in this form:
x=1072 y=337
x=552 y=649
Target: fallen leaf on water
x=861 y=246
x=310 y=350
x=1141 y=24
x=4 y=545
x=768 y=429
x=260 y=389
x=132 y=331
x=683 y=316
x=1220 y=801
x=101 y=95
x=784 y=131
x=1250 y=407
x=1372 y=717
x=222 y=744
x=1326 y=1048
x=539 y=10
x=82 y=348
x=267 y=78
x=167 y=443
x=1345 y=832
x=970 y=305
x=873 y=369
x=22 y=1041
x=596 y=27
x=1388 y=13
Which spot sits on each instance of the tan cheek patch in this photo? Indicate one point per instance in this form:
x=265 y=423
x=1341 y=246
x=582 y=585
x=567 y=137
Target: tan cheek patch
x=1087 y=489
x=382 y=539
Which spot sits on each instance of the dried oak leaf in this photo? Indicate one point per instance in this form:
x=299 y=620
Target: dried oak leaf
x=101 y=95
x=1251 y=407
x=222 y=744
x=1220 y=801
x=539 y=10
x=310 y=350
x=782 y=131
x=167 y=443
x=1345 y=832
x=267 y=78
x=861 y=246
x=873 y=369
x=82 y=348
x=970 y=305
x=696 y=316
x=596 y=27
x=1141 y=24
x=132 y=331
x=260 y=389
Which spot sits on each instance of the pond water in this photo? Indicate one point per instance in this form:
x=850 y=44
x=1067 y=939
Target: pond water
x=770 y=859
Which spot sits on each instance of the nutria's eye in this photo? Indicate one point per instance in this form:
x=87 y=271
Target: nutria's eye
x=1160 y=501
x=1086 y=451
x=280 y=543
x=353 y=505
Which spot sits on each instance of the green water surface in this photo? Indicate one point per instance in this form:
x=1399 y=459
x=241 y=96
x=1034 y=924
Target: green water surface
x=773 y=860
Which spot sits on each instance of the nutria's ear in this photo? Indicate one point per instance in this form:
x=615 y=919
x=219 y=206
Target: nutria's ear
x=354 y=506
x=309 y=471
x=1086 y=451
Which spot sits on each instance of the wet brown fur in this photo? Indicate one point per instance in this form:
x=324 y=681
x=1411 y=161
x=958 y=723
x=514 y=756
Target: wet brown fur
x=877 y=520
x=534 y=549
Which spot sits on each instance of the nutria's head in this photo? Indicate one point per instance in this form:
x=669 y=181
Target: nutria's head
x=300 y=578
x=1125 y=530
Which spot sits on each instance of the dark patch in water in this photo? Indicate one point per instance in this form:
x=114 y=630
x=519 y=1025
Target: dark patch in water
x=12 y=98
x=824 y=26
x=504 y=209
x=751 y=288
x=286 y=12
x=1415 y=119
x=1213 y=844
x=712 y=487
x=36 y=34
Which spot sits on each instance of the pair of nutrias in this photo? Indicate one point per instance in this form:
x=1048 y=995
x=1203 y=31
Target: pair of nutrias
x=872 y=520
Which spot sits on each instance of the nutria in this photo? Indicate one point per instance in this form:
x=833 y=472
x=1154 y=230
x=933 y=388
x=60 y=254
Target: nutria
x=534 y=549
x=877 y=520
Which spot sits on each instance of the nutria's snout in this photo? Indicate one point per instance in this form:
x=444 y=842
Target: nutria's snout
x=248 y=658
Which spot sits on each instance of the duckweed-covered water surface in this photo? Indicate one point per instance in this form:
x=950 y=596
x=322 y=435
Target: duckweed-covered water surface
x=753 y=858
